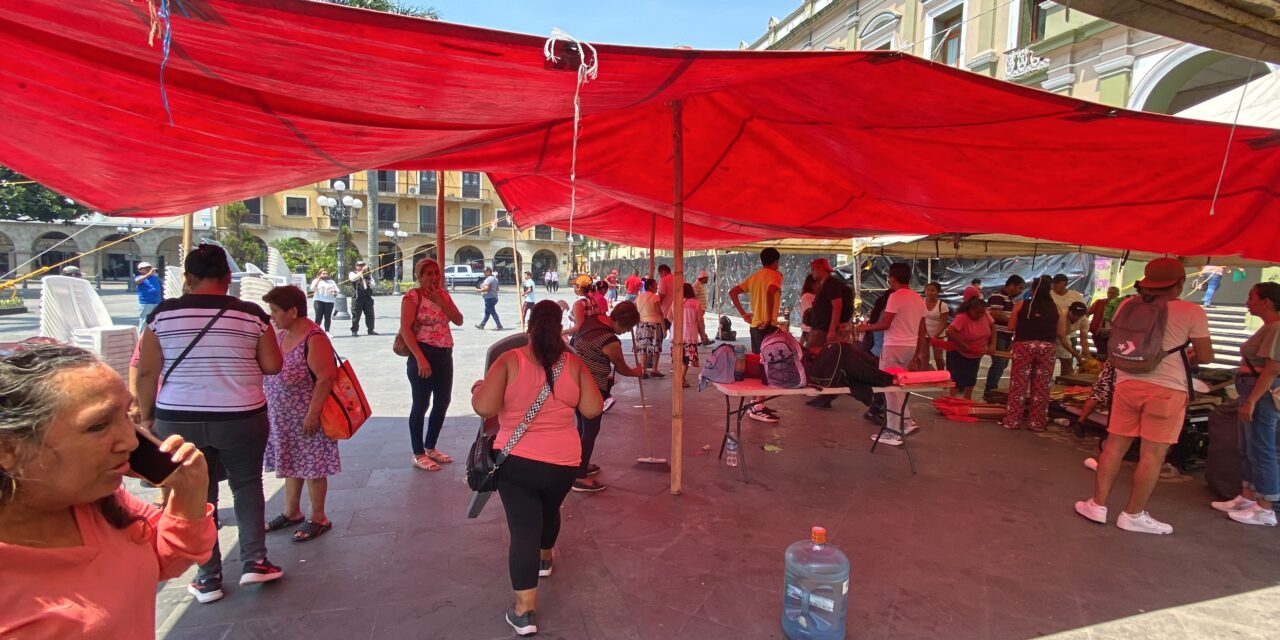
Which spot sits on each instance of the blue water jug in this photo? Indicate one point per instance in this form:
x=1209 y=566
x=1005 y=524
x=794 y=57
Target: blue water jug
x=815 y=590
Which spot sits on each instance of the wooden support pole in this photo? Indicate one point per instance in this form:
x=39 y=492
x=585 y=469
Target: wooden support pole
x=187 y=232
x=440 y=234
x=653 y=236
x=677 y=306
x=515 y=249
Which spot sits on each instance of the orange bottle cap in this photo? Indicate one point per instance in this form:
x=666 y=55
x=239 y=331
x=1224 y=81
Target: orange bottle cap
x=818 y=535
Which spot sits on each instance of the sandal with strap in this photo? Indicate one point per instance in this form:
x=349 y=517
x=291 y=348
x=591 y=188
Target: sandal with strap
x=425 y=463
x=438 y=456
x=282 y=522
x=311 y=530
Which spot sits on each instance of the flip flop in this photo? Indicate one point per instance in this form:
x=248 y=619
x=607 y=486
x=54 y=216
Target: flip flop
x=311 y=530
x=282 y=522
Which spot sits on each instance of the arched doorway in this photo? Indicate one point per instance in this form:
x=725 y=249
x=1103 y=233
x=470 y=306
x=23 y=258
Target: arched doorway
x=6 y=256
x=421 y=253
x=117 y=261
x=389 y=257
x=504 y=264
x=469 y=255
x=543 y=261
x=1190 y=76
x=169 y=253
x=55 y=247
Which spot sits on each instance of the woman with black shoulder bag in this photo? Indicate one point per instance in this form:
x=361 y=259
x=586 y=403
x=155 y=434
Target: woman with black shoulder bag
x=536 y=392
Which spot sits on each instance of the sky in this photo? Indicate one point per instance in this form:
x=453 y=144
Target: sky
x=702 y=24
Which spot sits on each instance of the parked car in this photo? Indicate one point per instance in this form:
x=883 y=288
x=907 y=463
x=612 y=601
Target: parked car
x=462 y=274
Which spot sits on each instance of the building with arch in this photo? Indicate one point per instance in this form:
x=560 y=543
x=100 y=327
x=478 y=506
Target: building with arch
x=27 y=246
x=477 y=225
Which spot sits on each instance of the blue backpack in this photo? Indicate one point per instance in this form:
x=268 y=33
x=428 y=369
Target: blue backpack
x=718 y=367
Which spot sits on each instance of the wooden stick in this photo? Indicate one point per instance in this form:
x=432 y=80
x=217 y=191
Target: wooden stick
x=677 y=305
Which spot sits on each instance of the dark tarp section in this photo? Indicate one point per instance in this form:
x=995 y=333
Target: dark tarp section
x=266 y=95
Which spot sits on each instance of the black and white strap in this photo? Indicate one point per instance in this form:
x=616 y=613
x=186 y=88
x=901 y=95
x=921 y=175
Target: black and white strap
x=533 y=410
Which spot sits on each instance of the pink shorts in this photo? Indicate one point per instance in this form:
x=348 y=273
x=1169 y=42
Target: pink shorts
x=1148 y=411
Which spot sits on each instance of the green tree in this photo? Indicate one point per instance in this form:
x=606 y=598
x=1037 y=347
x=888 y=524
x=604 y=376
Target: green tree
x=295 y=251
x=391 y=6
x=23 y=199
x=240 y=244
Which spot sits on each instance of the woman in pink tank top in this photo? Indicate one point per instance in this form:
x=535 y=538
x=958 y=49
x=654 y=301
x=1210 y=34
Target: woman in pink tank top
x=541 y=466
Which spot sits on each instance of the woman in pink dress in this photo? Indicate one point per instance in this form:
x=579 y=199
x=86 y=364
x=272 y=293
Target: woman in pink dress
x=297 y=448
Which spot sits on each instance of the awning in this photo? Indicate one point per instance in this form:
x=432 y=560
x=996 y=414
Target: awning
x=267 y=95
x=1260 y=106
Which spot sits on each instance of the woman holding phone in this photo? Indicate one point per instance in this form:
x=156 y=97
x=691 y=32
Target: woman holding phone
x=81 y=556
x=425 y=314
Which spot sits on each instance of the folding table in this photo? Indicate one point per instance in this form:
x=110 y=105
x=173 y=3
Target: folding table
x=749 y=388
x=907 y=390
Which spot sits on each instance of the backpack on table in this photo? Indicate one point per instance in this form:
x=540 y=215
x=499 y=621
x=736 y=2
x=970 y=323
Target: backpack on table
x=718 y=367
x=781 y=358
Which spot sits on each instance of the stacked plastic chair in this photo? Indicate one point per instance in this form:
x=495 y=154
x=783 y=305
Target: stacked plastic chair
x=72 y=312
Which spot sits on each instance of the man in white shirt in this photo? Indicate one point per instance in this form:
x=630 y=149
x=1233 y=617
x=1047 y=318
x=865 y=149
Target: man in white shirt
x=1151 y=405
x=1064 y=297
x=905 y=342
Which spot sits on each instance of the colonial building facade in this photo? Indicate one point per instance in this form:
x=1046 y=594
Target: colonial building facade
x=1031 y=42
x=478 y=228
x=28 y=246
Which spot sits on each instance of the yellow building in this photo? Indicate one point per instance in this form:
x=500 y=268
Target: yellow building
x=478 y=229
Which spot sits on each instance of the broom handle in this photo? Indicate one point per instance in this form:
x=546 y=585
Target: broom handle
x=644 y=404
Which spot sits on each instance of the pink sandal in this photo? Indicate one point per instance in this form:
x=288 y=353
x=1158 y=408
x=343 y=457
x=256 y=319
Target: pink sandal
x=436 y=455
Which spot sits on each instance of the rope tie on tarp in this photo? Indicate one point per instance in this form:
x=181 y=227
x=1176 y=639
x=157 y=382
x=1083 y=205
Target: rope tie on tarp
x=587 y=71
x=162 y=26
x=1235 y=121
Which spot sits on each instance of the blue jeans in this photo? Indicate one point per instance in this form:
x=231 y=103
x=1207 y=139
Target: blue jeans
x=1210 y=288
x=491 y=309
x=1260 y=469
x=434 y=390
x=996 y=371
x=238 y=446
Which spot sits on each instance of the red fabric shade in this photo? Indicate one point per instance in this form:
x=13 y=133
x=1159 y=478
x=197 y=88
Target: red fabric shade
x=269 y=94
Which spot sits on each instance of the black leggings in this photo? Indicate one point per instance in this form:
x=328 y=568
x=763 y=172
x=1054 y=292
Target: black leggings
x=435 y=391
x=324 y=313
x=531 y=493
x=588 y=430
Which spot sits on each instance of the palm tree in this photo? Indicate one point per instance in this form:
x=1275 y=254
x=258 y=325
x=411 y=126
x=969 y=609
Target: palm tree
x=392 y=6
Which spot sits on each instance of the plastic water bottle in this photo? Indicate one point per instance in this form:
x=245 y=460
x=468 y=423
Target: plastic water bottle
x=815 y=589
x=731 y=453
x=739 y=363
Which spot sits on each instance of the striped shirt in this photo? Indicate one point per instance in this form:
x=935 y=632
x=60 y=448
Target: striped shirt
x=220 y=378
x=590 y=348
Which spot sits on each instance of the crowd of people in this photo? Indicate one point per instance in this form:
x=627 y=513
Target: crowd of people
x=232 y=392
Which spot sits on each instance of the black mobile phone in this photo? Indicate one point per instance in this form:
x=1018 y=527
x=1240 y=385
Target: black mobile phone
x=149 y=461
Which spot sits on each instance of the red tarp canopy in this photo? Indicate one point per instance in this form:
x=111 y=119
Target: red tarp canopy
x=269 y=94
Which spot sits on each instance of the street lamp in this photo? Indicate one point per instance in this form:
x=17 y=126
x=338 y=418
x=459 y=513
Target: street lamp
x=130 y=284
x=341 y=211
x=395 y=234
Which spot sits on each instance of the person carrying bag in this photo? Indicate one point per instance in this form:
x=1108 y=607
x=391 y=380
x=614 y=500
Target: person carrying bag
x=535 y=392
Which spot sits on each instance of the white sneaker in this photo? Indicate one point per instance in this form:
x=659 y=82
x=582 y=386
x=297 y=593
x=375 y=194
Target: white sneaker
x=887 y=438
x=1142 y=523
x=1256 y=516
x=1091 y=464
x=1092 y=510
x=608 y=403
x=1238 y=503
x=912 y=427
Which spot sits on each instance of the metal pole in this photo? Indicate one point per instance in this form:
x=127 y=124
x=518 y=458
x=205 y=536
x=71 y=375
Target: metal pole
x=677 y=306
x=339 y=212
x=440 y=220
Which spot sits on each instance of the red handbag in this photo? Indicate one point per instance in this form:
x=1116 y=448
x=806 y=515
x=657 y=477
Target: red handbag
x=346 y=409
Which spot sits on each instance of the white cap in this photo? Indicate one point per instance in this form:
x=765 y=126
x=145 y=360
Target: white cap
x=144 y=265
x=703 y=274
